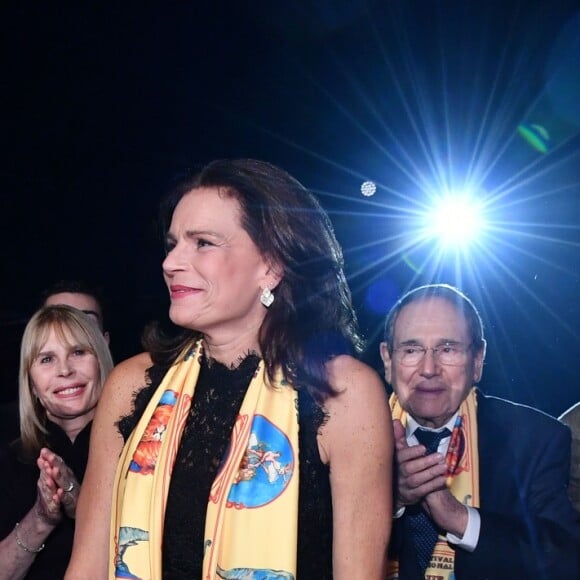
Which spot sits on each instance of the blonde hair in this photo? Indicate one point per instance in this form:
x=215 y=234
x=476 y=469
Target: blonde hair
x=68 y=323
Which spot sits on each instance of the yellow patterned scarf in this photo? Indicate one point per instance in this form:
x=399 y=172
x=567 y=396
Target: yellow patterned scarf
x=252 y=515
x=462 y=479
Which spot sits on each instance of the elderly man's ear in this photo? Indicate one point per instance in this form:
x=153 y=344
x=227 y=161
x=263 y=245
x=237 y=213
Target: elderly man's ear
x=478 y=363
x=387 y=362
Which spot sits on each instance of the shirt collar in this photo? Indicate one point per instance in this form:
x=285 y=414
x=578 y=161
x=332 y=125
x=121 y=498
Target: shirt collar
x=412 y=425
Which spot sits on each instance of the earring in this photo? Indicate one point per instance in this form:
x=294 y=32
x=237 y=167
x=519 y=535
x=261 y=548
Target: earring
x=266 y=298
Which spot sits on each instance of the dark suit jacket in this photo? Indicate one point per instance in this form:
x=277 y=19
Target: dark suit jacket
x=572 y=418
x=529 y=528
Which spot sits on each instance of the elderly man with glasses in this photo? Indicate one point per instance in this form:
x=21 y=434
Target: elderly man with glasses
x=481 y=490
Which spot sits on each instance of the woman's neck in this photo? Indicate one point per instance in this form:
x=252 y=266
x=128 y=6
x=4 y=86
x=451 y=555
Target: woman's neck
x=229 y=351
x=72 y=426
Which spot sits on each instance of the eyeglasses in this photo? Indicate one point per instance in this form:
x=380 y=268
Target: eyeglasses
x=449 y=354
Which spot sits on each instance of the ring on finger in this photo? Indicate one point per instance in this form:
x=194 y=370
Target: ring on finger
x=70 y=487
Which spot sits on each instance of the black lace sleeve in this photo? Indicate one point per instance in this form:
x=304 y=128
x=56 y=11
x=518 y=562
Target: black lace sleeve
x=315 y=501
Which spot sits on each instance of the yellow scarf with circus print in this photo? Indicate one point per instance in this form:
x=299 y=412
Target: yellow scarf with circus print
x=462 y=479
x=252 y=514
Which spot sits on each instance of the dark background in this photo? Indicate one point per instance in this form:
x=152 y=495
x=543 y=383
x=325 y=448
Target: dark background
x=102 y=105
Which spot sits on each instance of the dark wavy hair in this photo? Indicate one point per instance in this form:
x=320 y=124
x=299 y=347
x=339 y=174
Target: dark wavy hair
x=312 y=319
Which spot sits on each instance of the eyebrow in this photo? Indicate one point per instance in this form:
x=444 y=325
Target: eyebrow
x=44 y=353
x=409 y=341
x=414 y=341
x=193 y=233
x=92 y=313
x=69 y=345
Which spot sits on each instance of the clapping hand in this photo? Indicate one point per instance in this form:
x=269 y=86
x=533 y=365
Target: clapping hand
x=48 y=504
x=418 y=474
x=421 y=478
x=64 y=484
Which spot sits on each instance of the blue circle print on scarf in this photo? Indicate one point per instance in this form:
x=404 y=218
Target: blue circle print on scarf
x=266 y=467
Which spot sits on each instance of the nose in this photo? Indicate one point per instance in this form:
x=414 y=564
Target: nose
x=64 y=367
x=429 y=365
x=173 y=261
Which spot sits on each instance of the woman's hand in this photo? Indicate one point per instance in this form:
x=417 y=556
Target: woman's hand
x=47 y=507
x=19 y=549
x=64 y=485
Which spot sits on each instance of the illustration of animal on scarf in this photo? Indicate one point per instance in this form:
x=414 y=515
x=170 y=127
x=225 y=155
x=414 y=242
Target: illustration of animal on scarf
x=147 y=451
x=258 y=455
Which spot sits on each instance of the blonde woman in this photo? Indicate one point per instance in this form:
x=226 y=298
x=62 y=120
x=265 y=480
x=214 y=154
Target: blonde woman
x=64 y=361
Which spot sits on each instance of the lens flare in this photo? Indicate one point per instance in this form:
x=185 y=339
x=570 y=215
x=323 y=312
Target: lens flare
x=368 y=188
x=456 y=221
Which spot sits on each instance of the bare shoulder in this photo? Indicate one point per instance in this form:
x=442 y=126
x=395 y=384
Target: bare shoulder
x=124 y=380
x=353 y=380
x=134 y=367
x=116 y=401
x=357 y=443
x=358 y=410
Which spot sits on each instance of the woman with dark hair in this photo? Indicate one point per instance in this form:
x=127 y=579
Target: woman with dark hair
x=64 y=361
x=256 y=445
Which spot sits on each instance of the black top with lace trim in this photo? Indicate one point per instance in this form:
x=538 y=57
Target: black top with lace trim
x=217 y=400
x=18 y=490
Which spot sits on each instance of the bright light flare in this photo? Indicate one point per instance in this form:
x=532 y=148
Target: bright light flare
x=455 y=220
x=368 y=188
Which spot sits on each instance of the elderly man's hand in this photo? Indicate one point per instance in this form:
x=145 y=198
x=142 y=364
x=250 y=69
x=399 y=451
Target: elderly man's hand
x=418 y=474
x=447 y=512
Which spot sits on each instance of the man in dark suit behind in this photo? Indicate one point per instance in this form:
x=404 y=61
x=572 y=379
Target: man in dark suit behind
x=572 y=418
x=483 y=495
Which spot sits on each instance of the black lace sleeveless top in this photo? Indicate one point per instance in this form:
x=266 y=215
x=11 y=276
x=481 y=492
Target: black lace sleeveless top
x=217 y=400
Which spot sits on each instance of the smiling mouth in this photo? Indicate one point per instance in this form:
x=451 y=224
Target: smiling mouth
x=429 y=391
x=72 y=390
x=181 y=291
